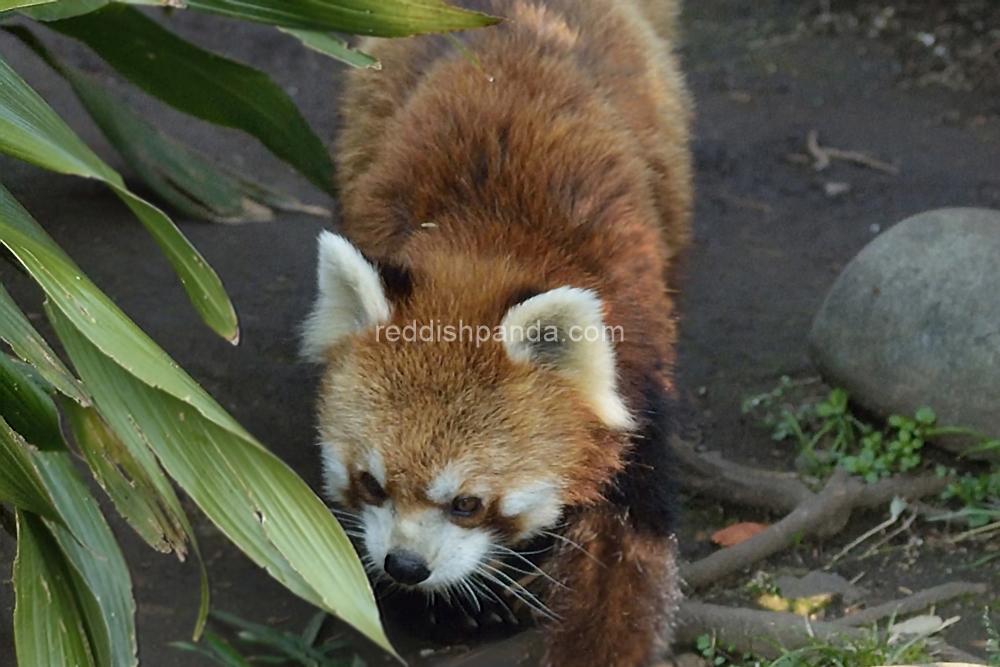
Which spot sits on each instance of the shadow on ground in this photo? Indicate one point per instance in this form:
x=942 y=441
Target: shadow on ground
x=769 y=241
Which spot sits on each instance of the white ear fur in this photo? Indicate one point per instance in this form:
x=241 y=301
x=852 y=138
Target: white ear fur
x=351 y=297
x=564 y=328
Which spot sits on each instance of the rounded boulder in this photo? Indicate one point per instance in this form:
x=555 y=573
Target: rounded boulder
x=914 y=320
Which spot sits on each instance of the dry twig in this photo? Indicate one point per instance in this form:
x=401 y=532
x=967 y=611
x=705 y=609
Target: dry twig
x=822 y=155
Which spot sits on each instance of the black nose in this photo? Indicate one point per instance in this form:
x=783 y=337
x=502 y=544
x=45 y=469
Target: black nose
x=406 y=568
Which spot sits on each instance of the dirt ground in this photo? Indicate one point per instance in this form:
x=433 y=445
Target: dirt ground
x=770 y=240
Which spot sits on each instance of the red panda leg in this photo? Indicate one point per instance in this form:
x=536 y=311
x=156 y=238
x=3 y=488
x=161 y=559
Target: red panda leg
x=619 y=597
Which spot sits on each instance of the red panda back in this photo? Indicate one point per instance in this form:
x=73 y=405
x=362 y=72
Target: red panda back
x=598 y=61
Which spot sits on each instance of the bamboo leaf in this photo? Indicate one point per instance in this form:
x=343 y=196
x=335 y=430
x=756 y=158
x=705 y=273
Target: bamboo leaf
x=378 y=18
x=10 y=5
x=94 y=313
x=20 y=483
x=28 y=344
x=329 y=45
x=26 y=407
x=100 y=576
x=249 y=493
x=48 y=622
x=31 y=130
x=152 y=404
x=115 y=333
x=134 y=493
x=183 y=177
x=203 y=84
x=54 y=10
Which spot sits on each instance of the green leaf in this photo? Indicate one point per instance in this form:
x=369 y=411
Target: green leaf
x=181 y=176
x=202 y=84
x=335 y=48
x=48 y=622
x=20 y=483
x=315 y=624
x=291 y=645
x=152 y=404
x=378 y=18
x=251 y=495
x=100 y=576
x=115 y=333
x=10 y=5
x=28 y=409
x=59 y=9
x=225 y=653
x=31 y=130
x=30 y=346
x=925 y=416
x=93 y=312
x=135 y=495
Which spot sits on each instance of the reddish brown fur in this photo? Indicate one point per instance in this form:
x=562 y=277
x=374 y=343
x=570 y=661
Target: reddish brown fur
x=634 y=577
x=559 y=158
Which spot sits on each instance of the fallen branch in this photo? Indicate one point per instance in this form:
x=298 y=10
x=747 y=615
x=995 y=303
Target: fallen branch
x=710 y=475
x=910 y=604
x=819 y=515
x=747 y=630
x=766 y=633
x=822 y=514
x=752 y=630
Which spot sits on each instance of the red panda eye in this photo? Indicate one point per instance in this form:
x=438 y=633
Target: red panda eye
x=466 y=505
x=371 y=491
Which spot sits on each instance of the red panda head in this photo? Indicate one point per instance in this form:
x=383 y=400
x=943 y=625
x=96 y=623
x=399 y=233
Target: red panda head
x=449 y=449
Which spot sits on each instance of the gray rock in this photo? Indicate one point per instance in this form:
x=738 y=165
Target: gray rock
x=914 y=320
x=815 y=583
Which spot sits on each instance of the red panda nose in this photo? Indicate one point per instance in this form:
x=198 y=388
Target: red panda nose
x=406 y=567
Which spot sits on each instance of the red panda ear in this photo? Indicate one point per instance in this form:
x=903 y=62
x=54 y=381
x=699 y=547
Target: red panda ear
x=351 y=297
x=564 y=330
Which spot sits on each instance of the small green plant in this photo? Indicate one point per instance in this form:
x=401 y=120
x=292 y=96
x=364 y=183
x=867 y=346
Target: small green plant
x=718 y=655
x=830 y=436
x=992 y=640
x=897 y=451
x=873 y=649
x=762 y=583
x=279 y=647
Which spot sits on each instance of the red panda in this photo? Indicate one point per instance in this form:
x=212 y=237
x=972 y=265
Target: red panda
x=529 y=193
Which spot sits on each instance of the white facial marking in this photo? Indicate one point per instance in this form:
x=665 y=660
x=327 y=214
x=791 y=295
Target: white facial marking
x=460 y=551
x=336 y=477
x=538 y=505
x=377 y=521
x=452 y=553
x=376 y=467
x=444 y=487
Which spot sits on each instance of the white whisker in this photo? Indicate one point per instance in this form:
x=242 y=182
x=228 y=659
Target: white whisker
x=517 y=590
x=486 y=591
x=573 y=544
x=506 y=551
